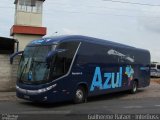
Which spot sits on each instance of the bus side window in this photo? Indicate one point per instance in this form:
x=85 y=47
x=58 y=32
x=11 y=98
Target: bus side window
x=64 y=59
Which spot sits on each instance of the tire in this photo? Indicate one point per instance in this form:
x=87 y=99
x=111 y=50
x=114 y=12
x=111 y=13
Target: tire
x=134 y=87
x=80 y=95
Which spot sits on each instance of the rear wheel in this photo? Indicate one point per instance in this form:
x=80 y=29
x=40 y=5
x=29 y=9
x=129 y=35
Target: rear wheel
x=134 y=87
x=80 y=95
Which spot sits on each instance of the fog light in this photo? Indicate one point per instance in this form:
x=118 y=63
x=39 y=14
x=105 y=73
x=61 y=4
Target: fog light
x=45 y=98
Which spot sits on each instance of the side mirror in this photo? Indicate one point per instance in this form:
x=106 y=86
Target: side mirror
x=14 y=55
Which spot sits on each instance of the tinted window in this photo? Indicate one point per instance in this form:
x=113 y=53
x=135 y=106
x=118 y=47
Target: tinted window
x=153 y=70
x=153 y=65
x=62 y=60
x=96 y=54
x=158 y=66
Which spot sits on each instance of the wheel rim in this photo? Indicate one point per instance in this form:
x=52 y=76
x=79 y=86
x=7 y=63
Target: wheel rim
x=79 y=94
x=135 y=87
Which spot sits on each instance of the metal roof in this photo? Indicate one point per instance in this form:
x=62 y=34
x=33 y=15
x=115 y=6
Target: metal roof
x=5 y=38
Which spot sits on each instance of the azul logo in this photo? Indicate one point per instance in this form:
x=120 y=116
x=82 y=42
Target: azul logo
x=129 y=72
x=112 y=80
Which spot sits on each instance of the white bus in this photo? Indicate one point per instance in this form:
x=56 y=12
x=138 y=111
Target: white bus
x=155 y=69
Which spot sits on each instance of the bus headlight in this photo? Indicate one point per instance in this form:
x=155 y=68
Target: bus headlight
x=35 y=92
x=41 y=90
x=47 y=89
x=50 y=87
x=17 y=87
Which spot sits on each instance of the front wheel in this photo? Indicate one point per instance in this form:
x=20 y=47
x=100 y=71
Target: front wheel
x=80 y=95
x=134 y=87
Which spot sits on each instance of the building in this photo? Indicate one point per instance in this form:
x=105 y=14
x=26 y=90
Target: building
x=8 y=45
x=8 y=72
x=27 y=27
x=28 y=21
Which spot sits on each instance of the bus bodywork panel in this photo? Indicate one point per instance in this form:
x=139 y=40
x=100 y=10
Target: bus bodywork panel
x=101 y=66
x=104 y=65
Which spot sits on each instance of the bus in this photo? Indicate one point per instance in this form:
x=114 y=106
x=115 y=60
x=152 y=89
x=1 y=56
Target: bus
x=155 y=69
x=75 y=67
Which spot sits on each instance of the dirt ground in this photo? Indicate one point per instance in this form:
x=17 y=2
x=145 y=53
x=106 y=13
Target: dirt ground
x=152 y=91
x=155 y=80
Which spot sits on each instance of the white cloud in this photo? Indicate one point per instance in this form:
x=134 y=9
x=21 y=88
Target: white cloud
x=129 y=24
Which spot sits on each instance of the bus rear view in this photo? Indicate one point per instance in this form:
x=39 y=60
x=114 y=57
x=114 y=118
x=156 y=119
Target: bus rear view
x=76 y=67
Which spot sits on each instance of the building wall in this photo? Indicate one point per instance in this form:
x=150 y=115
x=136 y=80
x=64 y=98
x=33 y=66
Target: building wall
x=28 y=19
x=25 y=39
x=8 y=73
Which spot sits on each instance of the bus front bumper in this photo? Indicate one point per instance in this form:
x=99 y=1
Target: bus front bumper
x=46 y=98
x=41 y=95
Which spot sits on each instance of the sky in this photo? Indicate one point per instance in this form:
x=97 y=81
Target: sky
x=132 y=22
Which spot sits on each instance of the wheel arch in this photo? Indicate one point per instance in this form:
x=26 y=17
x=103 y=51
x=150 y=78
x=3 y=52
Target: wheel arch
x=137 y=80
x=84 y=85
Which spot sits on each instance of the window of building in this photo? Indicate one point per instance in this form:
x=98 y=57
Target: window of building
x=30 y=6
x=7 y=45
x=39 y=6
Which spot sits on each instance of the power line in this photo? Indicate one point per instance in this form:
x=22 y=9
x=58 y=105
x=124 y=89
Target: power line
x=114 y=8
x=122 y=9
x=3 y=7
x=105 y=7
x=136 y=3
x=91 y=13
x=94 y=13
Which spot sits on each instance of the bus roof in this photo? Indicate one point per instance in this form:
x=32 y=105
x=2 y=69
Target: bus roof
x=62 y=38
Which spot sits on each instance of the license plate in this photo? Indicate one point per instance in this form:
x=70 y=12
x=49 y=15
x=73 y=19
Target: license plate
x=26 y=97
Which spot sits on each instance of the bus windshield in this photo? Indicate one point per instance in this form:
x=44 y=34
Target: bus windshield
x=33 y=67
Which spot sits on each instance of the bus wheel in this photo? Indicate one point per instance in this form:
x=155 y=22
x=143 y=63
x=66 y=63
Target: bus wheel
x=134 y=87
x=80 y=95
